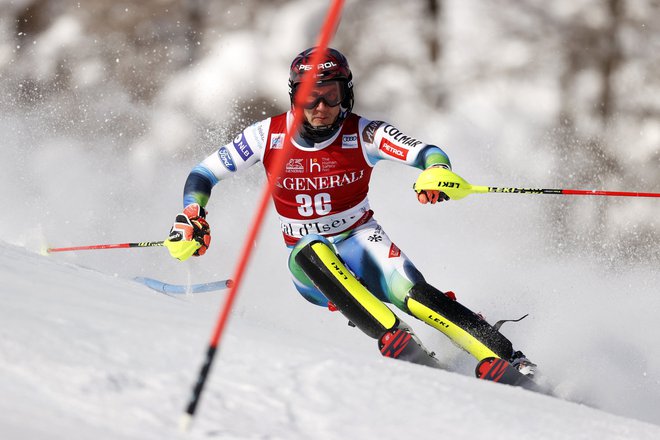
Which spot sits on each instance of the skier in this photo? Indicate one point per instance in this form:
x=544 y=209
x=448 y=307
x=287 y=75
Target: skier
x=340 y=256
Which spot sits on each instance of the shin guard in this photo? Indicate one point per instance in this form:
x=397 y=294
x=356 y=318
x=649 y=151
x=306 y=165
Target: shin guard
x=466 y=329
x=329 y=274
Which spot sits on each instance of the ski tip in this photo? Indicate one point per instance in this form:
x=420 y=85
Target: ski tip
x=184 y=422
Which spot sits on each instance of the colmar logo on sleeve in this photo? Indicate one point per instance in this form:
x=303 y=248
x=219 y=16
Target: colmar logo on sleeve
x=401 y=138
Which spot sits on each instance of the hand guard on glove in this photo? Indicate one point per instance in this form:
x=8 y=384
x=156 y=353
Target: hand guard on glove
x=190 y=235
x=432 y=196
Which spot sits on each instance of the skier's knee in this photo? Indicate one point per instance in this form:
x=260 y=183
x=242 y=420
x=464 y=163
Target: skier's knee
x=303 y=284
x=425 y=293
x=310 y=293
x=294 y=267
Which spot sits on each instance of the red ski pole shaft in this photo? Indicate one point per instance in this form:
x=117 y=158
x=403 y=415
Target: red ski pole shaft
x=568 y=192
x=328 y=29
x=580 y=192
x=106 y=246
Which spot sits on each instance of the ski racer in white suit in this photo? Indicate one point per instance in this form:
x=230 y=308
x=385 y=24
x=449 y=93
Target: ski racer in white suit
x=322 y=202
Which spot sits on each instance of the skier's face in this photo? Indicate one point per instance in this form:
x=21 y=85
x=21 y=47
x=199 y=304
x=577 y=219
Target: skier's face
x=322 y=115
x=322 y=106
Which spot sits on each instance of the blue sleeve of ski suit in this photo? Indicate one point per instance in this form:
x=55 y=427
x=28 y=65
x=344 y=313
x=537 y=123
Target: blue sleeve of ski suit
x=197 y=188
x=432 y=155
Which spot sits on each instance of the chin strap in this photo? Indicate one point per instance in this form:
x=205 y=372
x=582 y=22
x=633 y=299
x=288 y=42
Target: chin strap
x=318 y=134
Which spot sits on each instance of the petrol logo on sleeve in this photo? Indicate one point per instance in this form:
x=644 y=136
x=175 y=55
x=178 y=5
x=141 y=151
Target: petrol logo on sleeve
x=242 y=147
x=390 y=149
x=226 y=159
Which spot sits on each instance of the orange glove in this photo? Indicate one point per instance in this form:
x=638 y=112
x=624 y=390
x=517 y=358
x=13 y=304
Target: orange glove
x=190 y=235
x=431 y=196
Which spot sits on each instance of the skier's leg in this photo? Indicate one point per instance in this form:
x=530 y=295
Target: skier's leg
x=392 y=277
x=464 y=327
x=323 y=267
x=315 y=258
x=301 y=281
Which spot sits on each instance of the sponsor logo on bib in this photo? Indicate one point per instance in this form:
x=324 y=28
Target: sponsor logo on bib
x=349 y=141
x=295 y=166
x=277 y=141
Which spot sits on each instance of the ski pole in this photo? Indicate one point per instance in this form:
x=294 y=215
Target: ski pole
x=107 y=246
x=456 y=188
x=327 y=31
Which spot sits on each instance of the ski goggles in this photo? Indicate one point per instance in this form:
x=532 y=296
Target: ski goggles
x=330 y=92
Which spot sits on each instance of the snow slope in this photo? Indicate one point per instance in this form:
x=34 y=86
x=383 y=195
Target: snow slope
x=84 y=354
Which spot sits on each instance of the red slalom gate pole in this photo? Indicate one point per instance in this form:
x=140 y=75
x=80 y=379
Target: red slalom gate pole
x=327 y=31
x=106 y=246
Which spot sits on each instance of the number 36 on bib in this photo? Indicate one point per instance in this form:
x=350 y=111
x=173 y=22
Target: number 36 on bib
x=319 y=204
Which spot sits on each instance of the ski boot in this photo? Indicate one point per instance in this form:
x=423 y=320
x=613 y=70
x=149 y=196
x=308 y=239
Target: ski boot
x=401 y=343
x=520 y=362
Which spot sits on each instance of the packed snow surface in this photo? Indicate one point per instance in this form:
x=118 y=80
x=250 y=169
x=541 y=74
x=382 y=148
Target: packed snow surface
x=87 y=354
